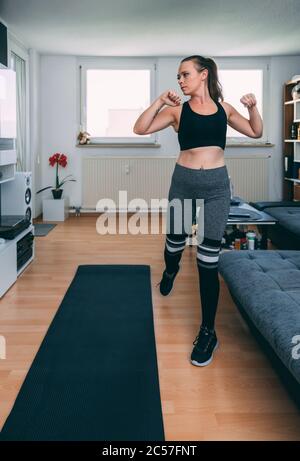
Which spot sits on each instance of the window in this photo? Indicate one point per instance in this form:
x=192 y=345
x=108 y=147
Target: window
x=113 y=99
x=19 y=66
x=235 y=84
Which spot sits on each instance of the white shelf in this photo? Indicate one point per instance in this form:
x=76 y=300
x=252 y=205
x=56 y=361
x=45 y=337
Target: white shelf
x=291 y=101
x=8 y=157
x=7 y=173
x=293 y=180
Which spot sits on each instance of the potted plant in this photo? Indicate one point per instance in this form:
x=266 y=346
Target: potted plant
x=58 y=159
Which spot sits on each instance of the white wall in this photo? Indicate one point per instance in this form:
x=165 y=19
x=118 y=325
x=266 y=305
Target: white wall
x=59 y=122
x=60 y=117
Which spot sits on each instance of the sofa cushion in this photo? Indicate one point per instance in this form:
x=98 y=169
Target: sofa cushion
x=288 y=217
x=267 y=284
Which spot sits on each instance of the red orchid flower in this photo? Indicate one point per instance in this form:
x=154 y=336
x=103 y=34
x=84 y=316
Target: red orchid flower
x=58 y=159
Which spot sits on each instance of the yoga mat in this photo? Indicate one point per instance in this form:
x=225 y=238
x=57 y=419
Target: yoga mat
x=95 y=376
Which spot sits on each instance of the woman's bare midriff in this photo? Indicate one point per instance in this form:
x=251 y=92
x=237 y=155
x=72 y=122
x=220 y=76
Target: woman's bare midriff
x=202 y=157
x=199 y=157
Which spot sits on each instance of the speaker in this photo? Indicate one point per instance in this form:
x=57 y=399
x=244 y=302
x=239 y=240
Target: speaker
x=16 y=195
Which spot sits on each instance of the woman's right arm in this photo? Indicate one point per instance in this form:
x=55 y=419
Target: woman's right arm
x=152 y=119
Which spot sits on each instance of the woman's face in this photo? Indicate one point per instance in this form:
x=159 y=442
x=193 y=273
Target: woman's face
x=189 y=79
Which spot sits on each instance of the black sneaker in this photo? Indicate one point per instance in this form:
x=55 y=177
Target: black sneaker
x=205 y=344
x=166 y=283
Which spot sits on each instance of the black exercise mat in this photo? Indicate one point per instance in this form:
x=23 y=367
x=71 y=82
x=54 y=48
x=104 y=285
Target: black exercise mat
x=95 y=376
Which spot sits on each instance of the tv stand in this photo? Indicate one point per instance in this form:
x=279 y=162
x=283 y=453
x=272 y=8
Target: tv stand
x=18 y=250
x=14 y=259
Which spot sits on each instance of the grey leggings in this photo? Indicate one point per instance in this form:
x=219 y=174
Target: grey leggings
x=213 y=187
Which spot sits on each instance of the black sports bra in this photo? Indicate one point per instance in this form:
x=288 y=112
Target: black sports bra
x=196 y=130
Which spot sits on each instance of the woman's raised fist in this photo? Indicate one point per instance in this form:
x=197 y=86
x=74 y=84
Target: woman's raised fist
x=170 y=98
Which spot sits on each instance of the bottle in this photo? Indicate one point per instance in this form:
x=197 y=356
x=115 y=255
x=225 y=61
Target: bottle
x=251 y=235
x=237 y=244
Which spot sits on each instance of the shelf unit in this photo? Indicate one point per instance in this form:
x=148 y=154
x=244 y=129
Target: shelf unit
x=291 y=147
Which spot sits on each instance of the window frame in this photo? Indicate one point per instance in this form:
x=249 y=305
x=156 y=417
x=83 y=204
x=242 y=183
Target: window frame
x=264 y=66
x=118 y=64
x=16 y=47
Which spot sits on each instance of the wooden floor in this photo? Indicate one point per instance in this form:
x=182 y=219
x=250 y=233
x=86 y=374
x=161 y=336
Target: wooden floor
x=237 y=397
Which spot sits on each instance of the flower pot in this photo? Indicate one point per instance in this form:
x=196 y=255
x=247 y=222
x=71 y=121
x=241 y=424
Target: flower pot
x=57 y=193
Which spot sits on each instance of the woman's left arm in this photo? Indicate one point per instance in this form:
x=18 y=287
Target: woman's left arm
x=252 y=127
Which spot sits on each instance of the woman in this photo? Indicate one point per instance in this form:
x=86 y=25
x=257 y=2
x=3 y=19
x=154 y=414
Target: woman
x=200 y=173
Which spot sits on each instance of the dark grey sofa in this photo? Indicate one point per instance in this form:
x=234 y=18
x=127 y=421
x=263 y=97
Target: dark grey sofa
x=285 y=234
x=265 y=286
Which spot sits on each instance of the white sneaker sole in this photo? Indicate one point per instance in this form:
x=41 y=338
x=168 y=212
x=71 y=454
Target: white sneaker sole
x=203 y=364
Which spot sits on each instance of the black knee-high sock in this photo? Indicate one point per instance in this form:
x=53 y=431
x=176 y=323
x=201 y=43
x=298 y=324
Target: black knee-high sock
x=209 y=293
x=172 y=256
x=172 y=261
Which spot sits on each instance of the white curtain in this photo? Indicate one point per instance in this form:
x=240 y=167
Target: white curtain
x=19 y=65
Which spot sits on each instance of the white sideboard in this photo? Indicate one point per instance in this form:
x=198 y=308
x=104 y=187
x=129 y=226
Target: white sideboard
x=8 y=261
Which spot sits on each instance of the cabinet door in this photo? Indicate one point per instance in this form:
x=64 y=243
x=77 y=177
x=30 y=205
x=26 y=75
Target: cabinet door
x=8 y=267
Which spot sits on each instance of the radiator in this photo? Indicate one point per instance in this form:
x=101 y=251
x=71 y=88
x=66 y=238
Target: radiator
x=149 y=178
x=250 y=176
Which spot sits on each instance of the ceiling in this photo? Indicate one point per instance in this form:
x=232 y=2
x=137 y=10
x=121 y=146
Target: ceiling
x=156 y=27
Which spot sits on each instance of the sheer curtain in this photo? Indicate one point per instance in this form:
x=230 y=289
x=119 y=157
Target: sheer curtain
x=19 y=66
